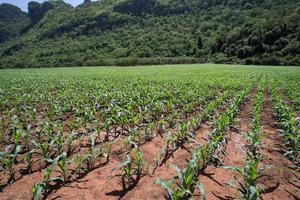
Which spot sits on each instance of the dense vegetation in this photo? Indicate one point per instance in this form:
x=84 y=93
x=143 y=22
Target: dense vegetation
x=130 y=32
x=12 y=21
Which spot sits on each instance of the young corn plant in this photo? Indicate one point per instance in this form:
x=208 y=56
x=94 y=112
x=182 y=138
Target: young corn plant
x=138 y=158
x=161 y=157
x=250 y=190
x=194 y=123
x=157 y=110
x=26 y=138
x=97 y=128
x=174 y=193
x=182 y=186
x=8 y=166
x=127 y=169
x=148 y=134
x=132 y=139
x=17 y=137
x=94 y=153
x=172 y=119
x=79 y=162
x=45 y=149
x=161 y=126
x=42 y=189
x=170 y=145
x=63 y=163
x=28 y=158
x=254 y=138
x=132 y=168
x=184 y=134
x=58 y=141
x=205 y=154
x=91 y=154
x=68 y=141
x=107 y=126
x=8 y=161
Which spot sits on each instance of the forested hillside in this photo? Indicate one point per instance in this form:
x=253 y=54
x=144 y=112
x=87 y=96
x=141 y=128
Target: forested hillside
x=130 y=32
x=12 y=21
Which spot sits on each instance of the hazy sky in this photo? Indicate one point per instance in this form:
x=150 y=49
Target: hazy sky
x=23 y=3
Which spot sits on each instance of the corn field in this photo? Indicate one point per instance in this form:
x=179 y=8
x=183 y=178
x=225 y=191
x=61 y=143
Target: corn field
x=165 y=132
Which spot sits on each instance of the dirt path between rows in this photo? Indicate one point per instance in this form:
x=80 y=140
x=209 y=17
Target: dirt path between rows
x=147 y=189
x=280 y=180
x=215 y=179
x=98 y=184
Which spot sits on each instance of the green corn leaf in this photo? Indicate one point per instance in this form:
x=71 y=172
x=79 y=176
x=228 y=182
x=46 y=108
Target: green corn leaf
x=200 y=186
x=37 y=191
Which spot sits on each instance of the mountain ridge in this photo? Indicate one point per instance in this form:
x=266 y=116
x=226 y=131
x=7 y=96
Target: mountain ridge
x=131 y=32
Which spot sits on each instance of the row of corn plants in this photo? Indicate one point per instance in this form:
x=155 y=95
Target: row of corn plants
x=63 y=169
x=115 y=119
x=187 y=129
x=291 y=88
x=289 y=125
x=132 y=167
x=110 y=111
x=248 y=187
x=183 y=185
x=47 y=143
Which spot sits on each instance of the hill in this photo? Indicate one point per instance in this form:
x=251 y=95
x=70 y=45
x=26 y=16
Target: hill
x=12 y=21
x=130 y=32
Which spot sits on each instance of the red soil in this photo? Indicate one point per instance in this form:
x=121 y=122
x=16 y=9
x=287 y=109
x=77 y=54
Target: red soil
x=215 y=179
x=98 y=185
x=147 y=189
x=280 y=181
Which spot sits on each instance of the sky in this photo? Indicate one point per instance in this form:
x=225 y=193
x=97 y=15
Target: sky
x=23 y=3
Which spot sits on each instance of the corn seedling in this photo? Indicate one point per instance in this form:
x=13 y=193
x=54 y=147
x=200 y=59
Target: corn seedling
x=45 y=149
x=183 y=185
x=138 y=157
x=59 y=143
x=161 y=126
x=8 y=161
x=28 y=158
x=107 y=126
x=68 y=141
x=131 y=168
x=8 y=166
x=148 y=134
x=132 y=138
x=126 y=168
x=251 y=172
x=43 y=188
x=79 y=162
x=63 y=164
x=183 y=134
x=172 y=119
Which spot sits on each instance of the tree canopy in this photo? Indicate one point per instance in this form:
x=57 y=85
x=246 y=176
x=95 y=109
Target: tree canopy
x=131 y=32
x=12 y=21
